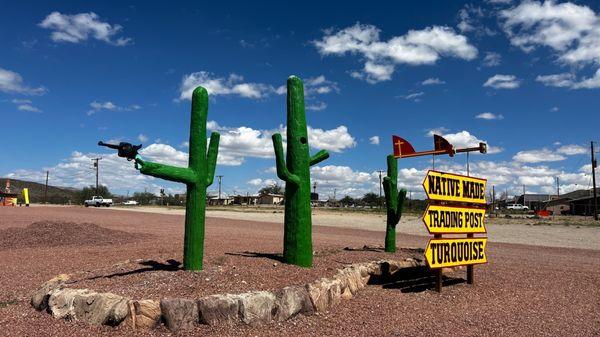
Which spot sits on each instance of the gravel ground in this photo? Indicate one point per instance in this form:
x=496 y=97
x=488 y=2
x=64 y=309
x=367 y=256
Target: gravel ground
x=523 y=291
x=559 y=231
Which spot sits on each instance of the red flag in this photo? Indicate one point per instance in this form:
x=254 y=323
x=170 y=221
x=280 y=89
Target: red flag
x=401 y=147
x=441 y=144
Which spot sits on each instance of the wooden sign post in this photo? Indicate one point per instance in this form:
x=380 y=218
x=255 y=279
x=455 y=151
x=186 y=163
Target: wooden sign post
x=454 y=207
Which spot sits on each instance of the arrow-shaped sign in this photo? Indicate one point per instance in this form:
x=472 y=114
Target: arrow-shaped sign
x=443 y=186
x=440 y=219
x=442 y=253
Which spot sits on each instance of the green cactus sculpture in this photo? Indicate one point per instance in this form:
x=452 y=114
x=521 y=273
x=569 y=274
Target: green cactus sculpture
x=295 y=171
x=393 y=203
x=197 y=176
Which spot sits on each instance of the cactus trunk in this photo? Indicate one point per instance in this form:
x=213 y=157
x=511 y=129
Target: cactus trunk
x=197 y=176
x=393 y=203
x=295 y=171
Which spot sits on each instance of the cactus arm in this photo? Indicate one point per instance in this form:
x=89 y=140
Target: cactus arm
x=282 y=171
x=387 y=190
x=319 y=157
x=401 y=198
x=211 y=157
x=168 y=172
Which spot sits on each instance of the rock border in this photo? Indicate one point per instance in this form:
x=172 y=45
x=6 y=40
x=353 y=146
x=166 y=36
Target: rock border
x=252 y=308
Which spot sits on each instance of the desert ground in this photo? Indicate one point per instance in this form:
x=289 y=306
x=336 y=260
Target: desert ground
x=542 y=278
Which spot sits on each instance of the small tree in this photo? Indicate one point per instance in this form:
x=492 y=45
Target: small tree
x=144 y=198
x=370 y=199
x=347 y=201
x=271 y=189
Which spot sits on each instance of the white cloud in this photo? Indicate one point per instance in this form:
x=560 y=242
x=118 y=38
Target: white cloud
x=471 y=18
x=109 y=106
x=233 y=85
x=492 y=59
x=25 y=105
x=502 y=82
x=335 y=140
x=12 y=83
x=571 y=30
x=432 y=81
x=465 y=139
x=568 y=80
x=142 y=138
x=414 y=96
x=80 y=27
x=538 y=156
x=318 y=106
x=489 y=116
x=554 y=109
x=261 y=182
x=416 y=47
x=572 y=149
x=436 y=131
x=374 y=140
x=240 y=142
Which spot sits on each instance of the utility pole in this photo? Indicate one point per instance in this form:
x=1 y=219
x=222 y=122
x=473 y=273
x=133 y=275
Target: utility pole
x=380 y=184
x=594 y=164
x=96 y=160
x=220 y=186
x=493 y=198
x=46 y=188
x=523 y=195
x=315 y=187
x=557 y=187
x=334 y=191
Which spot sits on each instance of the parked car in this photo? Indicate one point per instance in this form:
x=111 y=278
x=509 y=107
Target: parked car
x=98 y=201
x=517 y=207
x=130 y=203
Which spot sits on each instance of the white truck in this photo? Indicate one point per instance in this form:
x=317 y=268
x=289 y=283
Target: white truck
x=98 y=201
x=517 y=207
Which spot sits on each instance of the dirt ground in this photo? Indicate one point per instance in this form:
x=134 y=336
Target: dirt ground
x=558 y=231
x=523 y=290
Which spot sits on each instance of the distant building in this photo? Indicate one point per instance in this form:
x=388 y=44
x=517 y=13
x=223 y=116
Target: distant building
x=223 y=201
x=535 y=202
x=245 y=199
x=580 y=202
x=270 y=199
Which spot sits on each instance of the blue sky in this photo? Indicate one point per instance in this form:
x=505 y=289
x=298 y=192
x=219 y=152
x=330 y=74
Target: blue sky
x=521 y=76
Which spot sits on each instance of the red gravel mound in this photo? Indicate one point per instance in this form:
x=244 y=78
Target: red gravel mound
x=56 y=234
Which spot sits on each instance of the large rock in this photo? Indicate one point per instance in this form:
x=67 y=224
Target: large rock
x=39 y=299
x=293 y=301
x=219 y=309
x=258 y=307
x=60 y=302
x=100 y=308
x=324 y=293
x=179 y=313
x=143 y=314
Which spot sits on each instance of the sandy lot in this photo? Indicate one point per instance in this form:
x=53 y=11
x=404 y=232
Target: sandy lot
x=523 y=290
x=524 y=231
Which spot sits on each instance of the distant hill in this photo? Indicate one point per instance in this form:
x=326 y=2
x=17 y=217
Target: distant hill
x=56 y=195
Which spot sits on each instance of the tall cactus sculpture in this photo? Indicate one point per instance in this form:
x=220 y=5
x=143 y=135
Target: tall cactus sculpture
x=197 y=176
x=295 y=171
x=393 y=203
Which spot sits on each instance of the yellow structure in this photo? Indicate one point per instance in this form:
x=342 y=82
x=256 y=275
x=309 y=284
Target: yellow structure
x=442 y=253
x=26 y=196
x=440 y=219
x=442 y=186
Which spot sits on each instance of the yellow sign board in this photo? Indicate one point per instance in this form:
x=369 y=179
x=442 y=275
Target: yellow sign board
x=443 y=186
x=26 y=196
x=442 y=253
x=454 y=219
